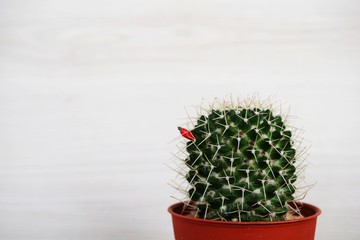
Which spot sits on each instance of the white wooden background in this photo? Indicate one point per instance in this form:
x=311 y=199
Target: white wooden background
x=91 y=93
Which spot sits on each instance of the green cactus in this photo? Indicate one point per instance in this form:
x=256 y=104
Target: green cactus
x=241 y=165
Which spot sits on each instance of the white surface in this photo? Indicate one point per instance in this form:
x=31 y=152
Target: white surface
x=91 y=93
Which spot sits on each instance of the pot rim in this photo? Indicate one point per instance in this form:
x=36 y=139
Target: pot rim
x=315 y=209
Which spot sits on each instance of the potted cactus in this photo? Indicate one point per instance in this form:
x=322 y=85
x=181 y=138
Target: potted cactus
x=241 y=162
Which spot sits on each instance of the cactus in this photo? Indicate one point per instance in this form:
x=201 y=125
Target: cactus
x=241 y=164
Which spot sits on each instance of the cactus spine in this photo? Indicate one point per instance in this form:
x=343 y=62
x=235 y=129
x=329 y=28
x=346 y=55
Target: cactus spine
x=241 y=164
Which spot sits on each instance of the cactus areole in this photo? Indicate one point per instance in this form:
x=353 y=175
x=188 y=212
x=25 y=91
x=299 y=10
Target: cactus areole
x=241 y=166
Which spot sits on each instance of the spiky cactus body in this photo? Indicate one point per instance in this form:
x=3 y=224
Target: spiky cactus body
x=241 y=165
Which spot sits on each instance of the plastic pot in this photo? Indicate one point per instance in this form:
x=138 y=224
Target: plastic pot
x=190 y=228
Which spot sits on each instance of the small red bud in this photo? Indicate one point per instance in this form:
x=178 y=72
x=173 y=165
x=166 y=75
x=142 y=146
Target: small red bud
x=186 y=134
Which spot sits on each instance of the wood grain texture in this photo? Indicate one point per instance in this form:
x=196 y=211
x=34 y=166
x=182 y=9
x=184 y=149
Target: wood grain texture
x=91 y=93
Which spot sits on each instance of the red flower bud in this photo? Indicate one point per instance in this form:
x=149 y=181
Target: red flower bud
x=186 y=134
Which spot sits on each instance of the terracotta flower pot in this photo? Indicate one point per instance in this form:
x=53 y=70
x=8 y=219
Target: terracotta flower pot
x=190 y=228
